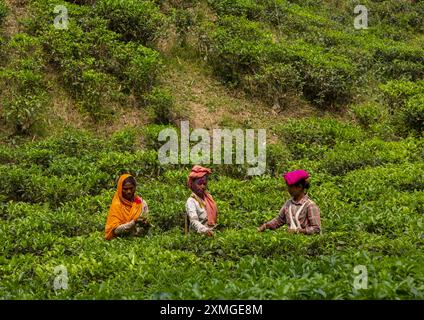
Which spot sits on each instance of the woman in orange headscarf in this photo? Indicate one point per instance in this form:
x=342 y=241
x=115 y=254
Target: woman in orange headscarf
x=201 y=209
x=128 y=212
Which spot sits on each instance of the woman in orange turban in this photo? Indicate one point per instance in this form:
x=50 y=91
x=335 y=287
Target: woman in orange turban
x=201 y=209
x=128 y=212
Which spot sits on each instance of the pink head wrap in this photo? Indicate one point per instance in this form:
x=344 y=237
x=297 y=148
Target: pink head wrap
x=294 y=177
x=196 y=173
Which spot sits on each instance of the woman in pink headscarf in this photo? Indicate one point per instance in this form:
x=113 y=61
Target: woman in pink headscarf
x=300 y=213
x=201 y=209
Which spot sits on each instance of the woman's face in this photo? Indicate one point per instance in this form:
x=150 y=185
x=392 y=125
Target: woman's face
x=294 y=190
x=128 y=191
x=201 y=184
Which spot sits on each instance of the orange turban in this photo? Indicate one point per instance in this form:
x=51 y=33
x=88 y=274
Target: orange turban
x=121 y=210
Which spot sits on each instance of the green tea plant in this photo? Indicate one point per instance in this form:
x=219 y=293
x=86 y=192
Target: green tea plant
x=3 y=11
x=25 y=95
x=135 y=20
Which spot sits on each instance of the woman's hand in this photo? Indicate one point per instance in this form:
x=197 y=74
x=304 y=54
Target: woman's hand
x=209 y=233
x=130 y=225
x=262 y=227
x=142 y=220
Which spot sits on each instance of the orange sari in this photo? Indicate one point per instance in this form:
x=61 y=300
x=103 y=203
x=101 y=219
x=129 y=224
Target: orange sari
x=121 y=210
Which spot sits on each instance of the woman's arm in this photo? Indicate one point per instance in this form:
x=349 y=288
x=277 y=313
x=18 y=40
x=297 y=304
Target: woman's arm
x=314 y=219
x=124 y=229
x=276 y=222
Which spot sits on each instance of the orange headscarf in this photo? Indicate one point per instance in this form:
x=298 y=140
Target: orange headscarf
x=121 y=210
x=211 y=208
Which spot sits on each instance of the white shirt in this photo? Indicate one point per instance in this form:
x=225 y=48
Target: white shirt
x=197 y=215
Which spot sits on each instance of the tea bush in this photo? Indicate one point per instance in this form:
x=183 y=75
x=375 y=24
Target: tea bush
x=368 y=114
x=401 y=61
x=242 y=52
x=25 y=96
x=3 y=11
x=95 y=65
x=413 y=113
x=345 y=157
x=310 y=138
x=397 y=92
x=135 y=20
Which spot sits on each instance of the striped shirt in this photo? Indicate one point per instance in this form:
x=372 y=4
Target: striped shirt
x=308 y=216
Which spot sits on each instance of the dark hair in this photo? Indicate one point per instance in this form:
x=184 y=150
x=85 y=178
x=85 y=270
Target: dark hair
x=130 y=180
x=302 y=183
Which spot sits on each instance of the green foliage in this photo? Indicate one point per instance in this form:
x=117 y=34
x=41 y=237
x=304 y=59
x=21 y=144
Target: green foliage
x=346 y=157
x=150 y=134
x=311 y=137
x=143 y=68
x=405 y=101
x=312 y=52
x=413 y=113
x=242 y=52
x=162 y=103
x=274 y=83
x=327 y=78
x=94 y=84
x=396 y=92
x=95 y=66
x=367 y=114
x=3 y=11
x=183 y=21
x=135 y=20
x=247 y=8
x=402 y=61
x=25 y=95
x=236 y=47
x=124 y=139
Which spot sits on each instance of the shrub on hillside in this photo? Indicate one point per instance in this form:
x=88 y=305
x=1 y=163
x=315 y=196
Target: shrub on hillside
x=273 y=83
x=142 y=69
x=401 y=61
x=345 y=157
x=241 y=52
x=319 y=133
x=327 y=79
x=139 y=21
x=413 y=113
x=161 y=103
x=25 y=95
x=3 y=11
x=236 y=47
x=367 y=114
x=396 y=93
